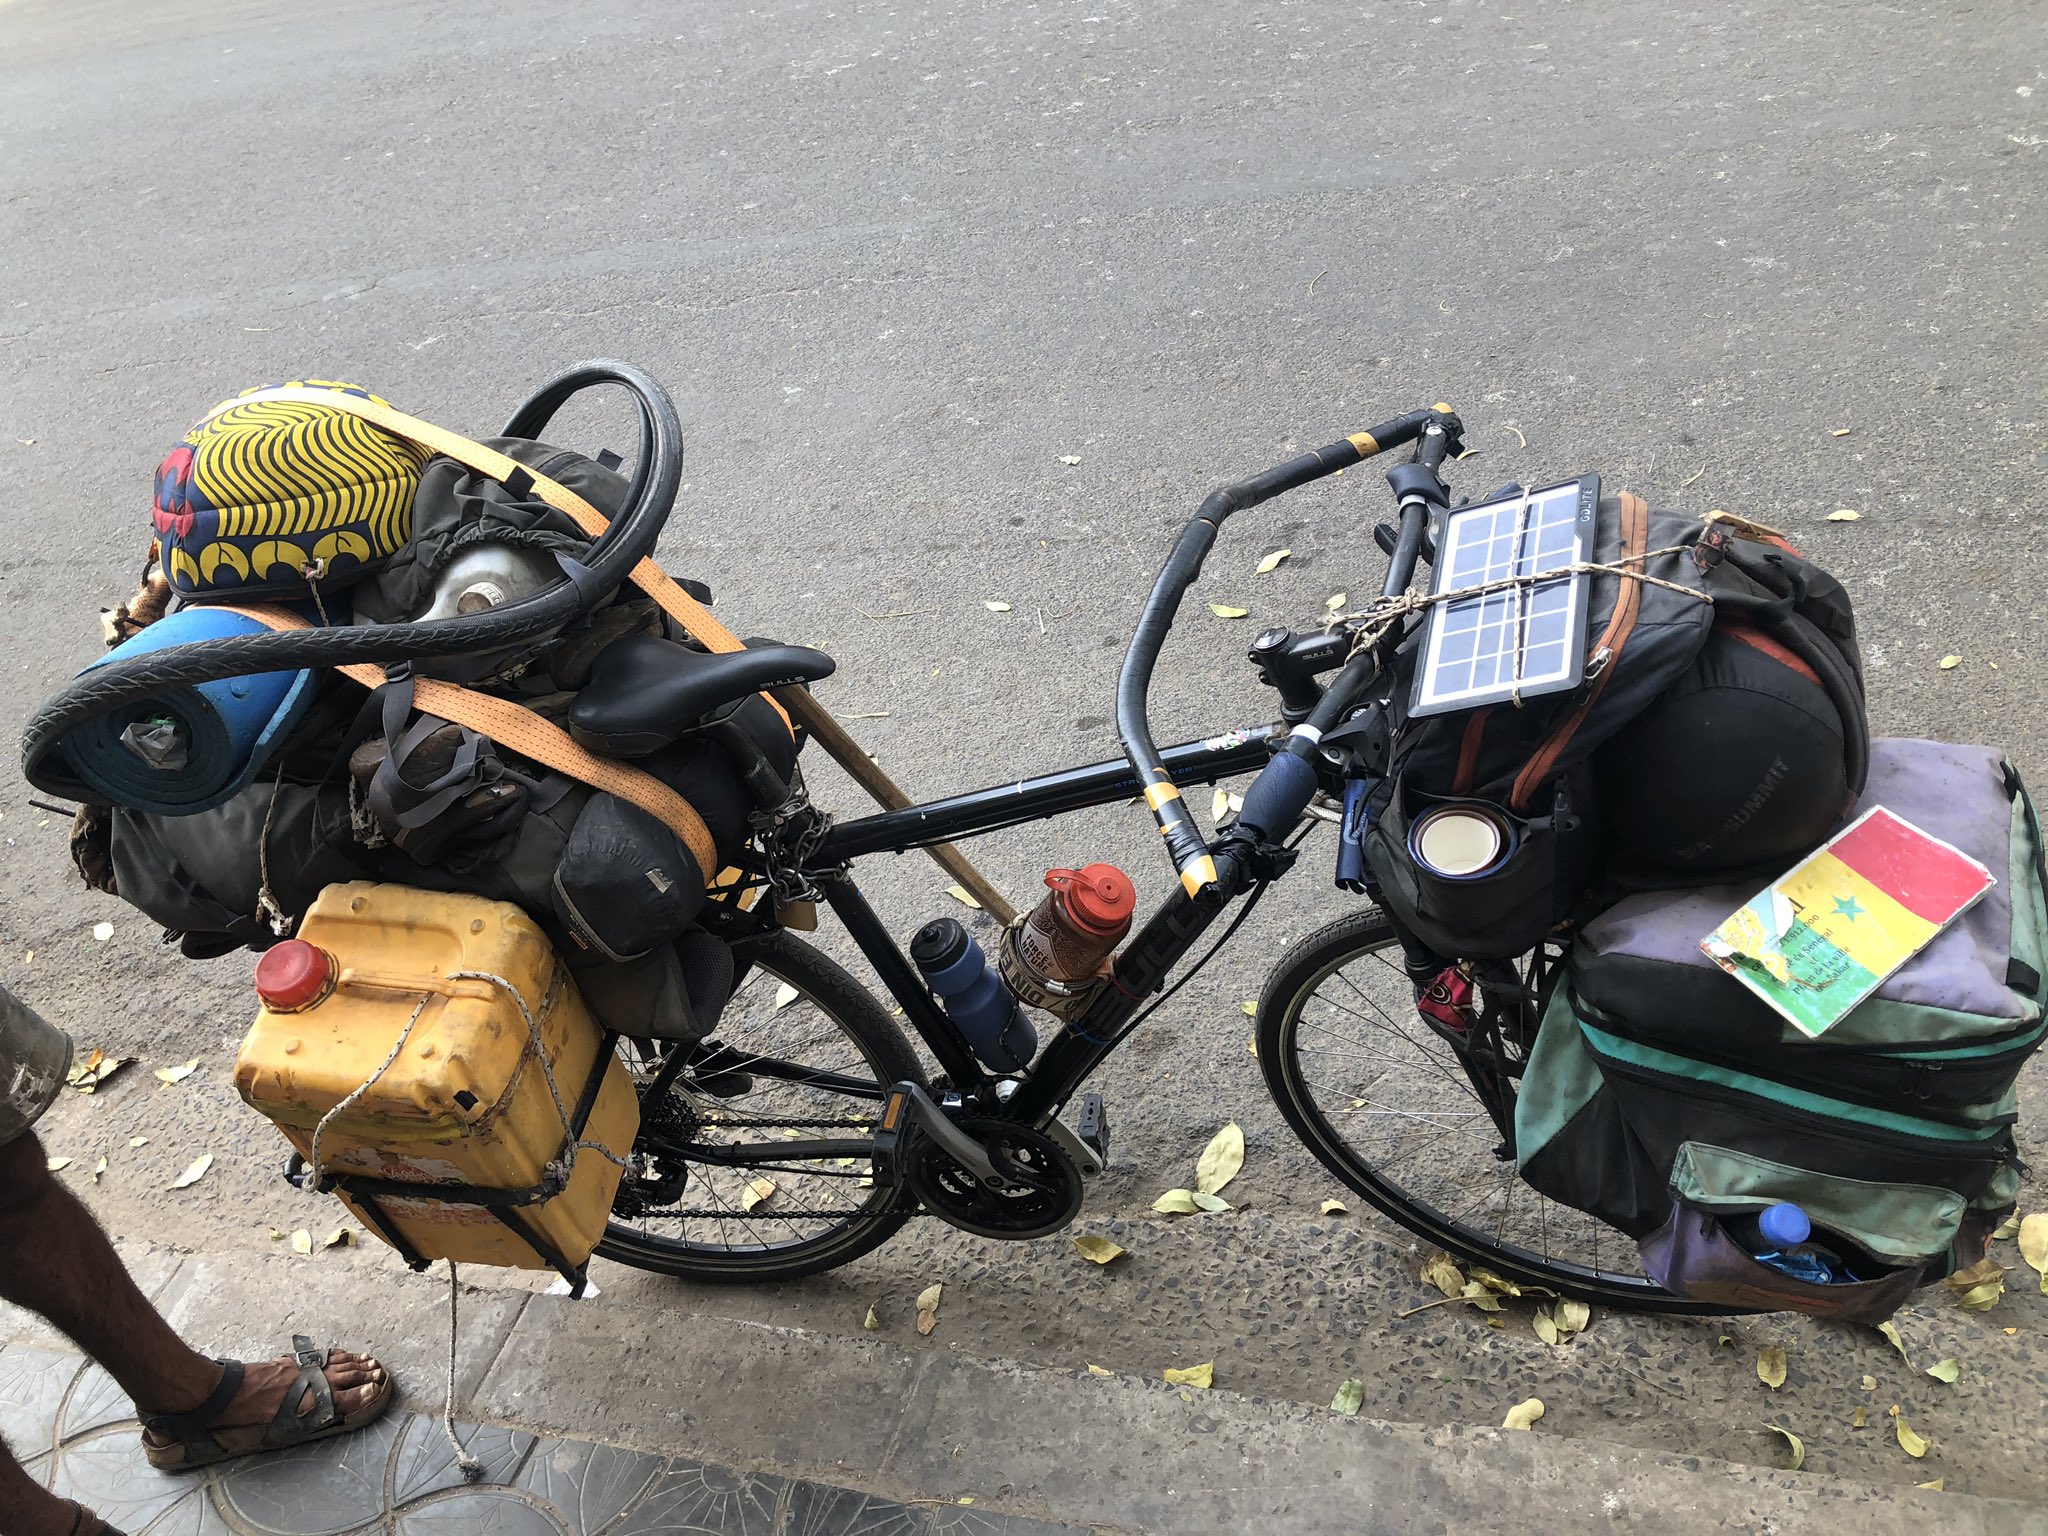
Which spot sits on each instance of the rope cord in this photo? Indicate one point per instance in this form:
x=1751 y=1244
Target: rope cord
x=472 y=1466
x=1374 y=622
x=355 y=1095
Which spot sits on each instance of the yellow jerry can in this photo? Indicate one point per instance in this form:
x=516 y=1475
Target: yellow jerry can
x=463 y=1101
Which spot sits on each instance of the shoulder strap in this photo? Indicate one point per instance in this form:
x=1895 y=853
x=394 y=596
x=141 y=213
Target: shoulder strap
x=650 y=578
x=521 y=730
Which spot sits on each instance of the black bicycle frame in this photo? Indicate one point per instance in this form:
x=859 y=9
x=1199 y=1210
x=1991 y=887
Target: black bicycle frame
x=1139 y=969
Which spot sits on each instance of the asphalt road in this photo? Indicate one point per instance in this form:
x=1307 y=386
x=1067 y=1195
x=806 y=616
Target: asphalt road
x=900 y=264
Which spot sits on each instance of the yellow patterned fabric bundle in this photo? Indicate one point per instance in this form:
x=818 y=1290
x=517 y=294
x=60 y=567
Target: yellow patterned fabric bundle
x=269 y=497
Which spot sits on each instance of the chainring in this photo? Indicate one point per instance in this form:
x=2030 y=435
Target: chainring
x=1043 y=1195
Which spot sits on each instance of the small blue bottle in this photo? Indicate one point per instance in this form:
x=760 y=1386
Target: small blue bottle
x=973 y=995
x=1779 y=1237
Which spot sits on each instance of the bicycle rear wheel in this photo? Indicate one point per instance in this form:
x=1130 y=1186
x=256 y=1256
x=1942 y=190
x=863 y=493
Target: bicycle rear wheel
x=802 y=1053
x=1384 y=1103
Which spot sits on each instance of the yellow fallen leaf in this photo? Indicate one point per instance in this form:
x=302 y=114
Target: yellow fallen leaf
x=1572 y=1316
x=1070 y=458
x=1984 y=1297
x=275 y=1235
x=1204 y=1201
x=995 y=607
x=959 y=894
x=1495 y=1283
x=1945 y=1370
x=1251 y=1045
x=1891 y=1331
x=1272 y=561
x=1838 y=432
x=1980 y=1273
x=1909 y=1442
x=340 y=1237
x=2007 y=1228
x=59 y=1164
x=2034 y=1245
x=1219 y=805
x=2008 y=1332
x=1203 y=1375
x=1798 y=1446
x=1770 y=1366
x=1442 y=1272
x=928 y=1308
x=1176 y=1202
x=1336 y=601
x=785 y=995
x=138 y=1141
x=1226 y=611
x=1934 y=1487
x=1334 y=1208
x=1249 y=1008
x=1350 y=1397
x=757 y=1190
x=1546 y=1327
x=1870 y=1383
x=302 y=1241
x=98 y=1168
x=1220 y=1160
x=1096 y=1370
x=1479 y=1297
x=1523 y=1414
x=176 y=1074
x=872 y=1322
x=194 y=1171
x=1862 y=1417
x=1950 y=663
x=1845 y=515
x=1099 y=1250
x=1518 y=435
x=1726 y=1341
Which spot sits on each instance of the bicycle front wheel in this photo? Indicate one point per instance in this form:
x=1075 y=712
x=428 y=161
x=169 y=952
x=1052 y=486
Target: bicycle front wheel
x=1385 y=1104
x=802 y=1054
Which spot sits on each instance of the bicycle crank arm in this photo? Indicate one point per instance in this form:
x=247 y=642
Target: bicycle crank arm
x=909 y=1105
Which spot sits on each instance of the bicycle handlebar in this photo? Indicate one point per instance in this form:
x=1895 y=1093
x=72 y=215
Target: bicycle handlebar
x=1184 y=841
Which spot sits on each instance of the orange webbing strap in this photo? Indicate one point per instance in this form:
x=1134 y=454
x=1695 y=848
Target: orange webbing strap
x=650 y=578
x=520 y=730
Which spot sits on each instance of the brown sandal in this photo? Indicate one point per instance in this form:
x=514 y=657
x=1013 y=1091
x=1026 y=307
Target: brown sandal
x=178 y=1442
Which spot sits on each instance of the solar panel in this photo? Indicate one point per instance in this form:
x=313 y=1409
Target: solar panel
x=1525 y=640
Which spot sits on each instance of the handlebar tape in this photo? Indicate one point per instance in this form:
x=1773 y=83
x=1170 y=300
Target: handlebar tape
x=1184 y=841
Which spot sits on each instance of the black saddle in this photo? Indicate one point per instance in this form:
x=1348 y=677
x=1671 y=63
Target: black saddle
x=645 y=693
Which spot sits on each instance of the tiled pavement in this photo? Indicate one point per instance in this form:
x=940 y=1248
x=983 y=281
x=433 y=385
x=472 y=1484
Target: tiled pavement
x=75 y=1430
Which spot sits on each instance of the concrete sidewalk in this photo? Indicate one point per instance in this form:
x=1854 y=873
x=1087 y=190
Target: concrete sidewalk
x=601 y=1417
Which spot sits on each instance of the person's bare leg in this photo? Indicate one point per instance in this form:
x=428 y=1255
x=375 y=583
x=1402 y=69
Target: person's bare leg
x=26 y=1507
x=55 y=1260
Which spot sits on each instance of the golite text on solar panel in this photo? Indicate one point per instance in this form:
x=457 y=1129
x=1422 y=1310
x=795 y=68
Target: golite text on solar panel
x=1522 y=641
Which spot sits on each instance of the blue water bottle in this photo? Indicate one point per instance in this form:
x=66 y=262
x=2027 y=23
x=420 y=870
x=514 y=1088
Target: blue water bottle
x=1779 y=1237
x=973 y=995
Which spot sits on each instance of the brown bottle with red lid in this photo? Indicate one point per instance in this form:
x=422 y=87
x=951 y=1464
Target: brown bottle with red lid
x=1076 y=926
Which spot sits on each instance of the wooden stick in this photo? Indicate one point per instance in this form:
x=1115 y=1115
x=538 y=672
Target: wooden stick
x=833 y=737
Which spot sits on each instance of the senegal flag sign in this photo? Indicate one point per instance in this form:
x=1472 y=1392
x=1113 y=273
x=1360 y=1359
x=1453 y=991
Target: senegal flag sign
x=1817 y=941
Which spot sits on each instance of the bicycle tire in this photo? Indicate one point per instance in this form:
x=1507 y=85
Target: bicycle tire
x=864 y=1022
x=1293 y=982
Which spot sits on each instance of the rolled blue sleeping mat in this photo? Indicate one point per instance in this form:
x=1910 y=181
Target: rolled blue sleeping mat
x=188 y=748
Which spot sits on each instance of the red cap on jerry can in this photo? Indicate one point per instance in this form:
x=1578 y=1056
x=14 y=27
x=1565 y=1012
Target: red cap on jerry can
x=1100 y=897
x=294 y=975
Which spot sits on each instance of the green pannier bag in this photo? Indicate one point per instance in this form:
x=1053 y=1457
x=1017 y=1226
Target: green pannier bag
x=1668 y=1100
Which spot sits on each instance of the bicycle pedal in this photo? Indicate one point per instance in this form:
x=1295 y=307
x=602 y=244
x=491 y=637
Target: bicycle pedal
x=885 y=1162
x=1091 y=1125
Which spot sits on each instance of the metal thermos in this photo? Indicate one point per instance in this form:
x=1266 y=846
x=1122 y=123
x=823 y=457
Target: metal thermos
x=1077 y=925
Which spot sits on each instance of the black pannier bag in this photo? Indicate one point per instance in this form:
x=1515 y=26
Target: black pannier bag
x=1540 y=767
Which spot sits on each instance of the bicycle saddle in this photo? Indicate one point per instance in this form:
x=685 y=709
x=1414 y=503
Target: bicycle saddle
x=645 y=692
